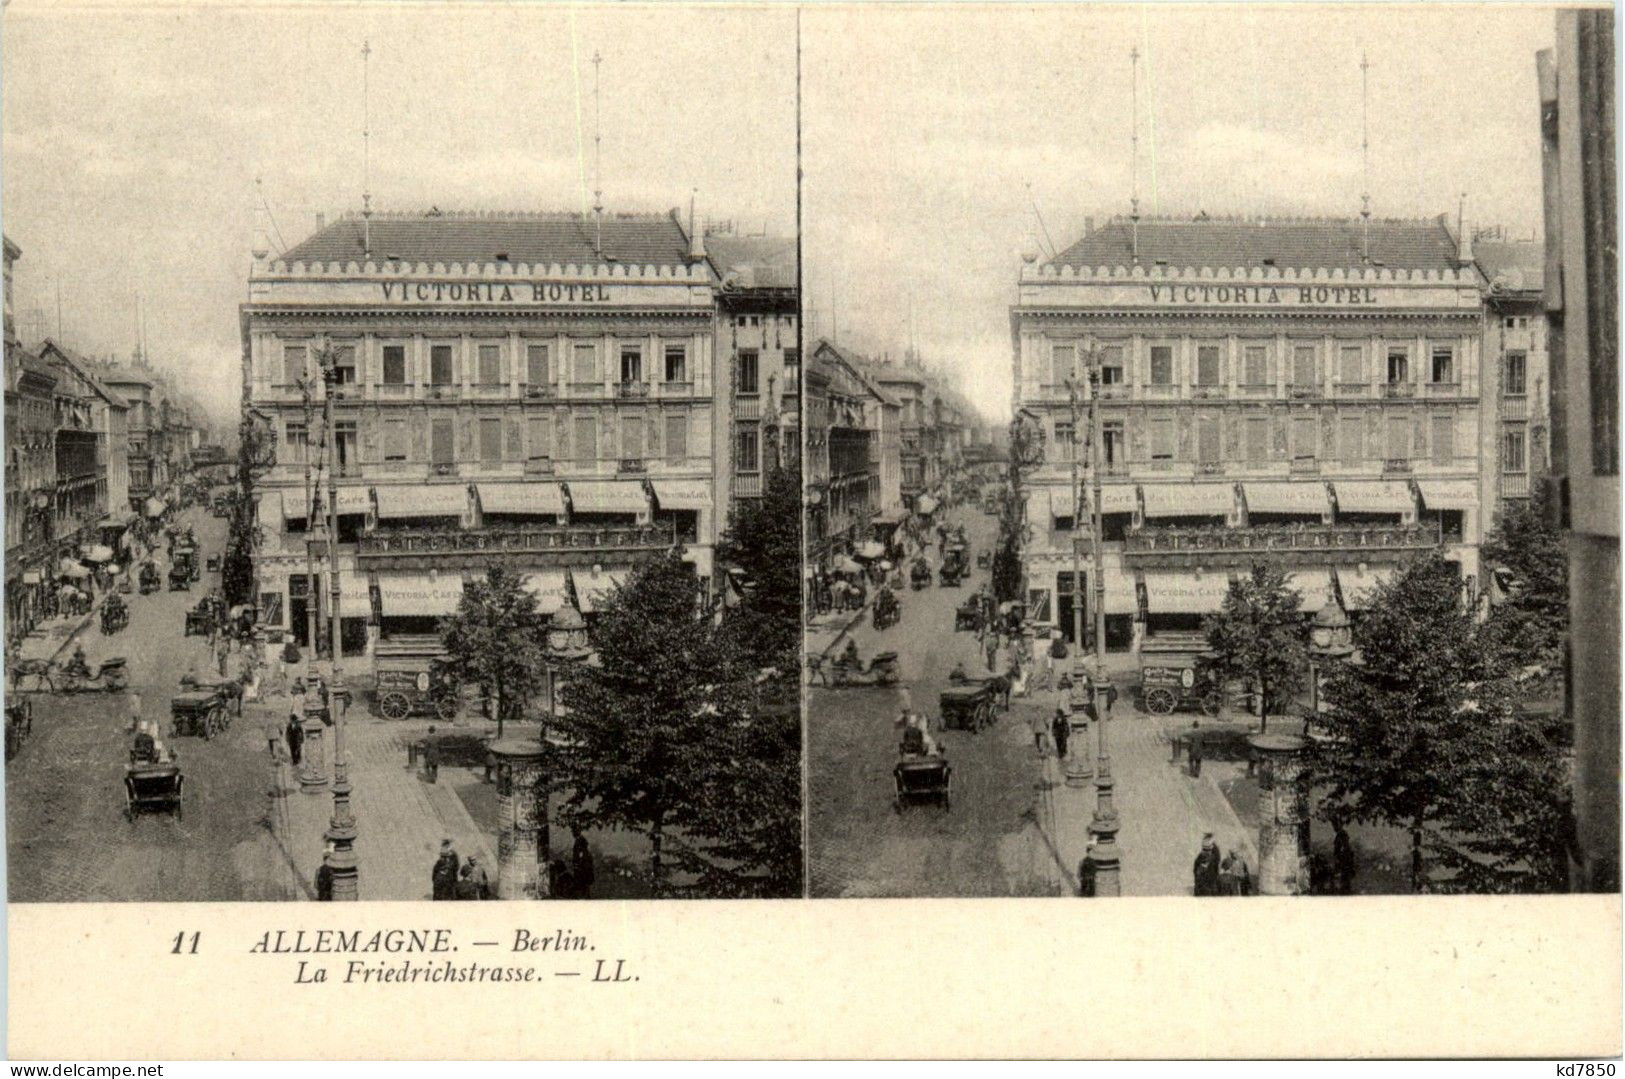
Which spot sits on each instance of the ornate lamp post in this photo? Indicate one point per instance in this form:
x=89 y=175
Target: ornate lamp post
x=341 y=827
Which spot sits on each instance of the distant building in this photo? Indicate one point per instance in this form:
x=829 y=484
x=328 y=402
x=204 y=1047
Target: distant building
x=146 y=472
x=1311 y=383
x=30 y=470
x=109 y=420
x=843 y=418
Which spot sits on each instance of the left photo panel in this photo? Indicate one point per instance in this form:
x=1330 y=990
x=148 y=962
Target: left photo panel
x=403 y=494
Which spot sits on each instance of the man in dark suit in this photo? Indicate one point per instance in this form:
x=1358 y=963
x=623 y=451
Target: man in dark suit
x=431 y=756
x=444 y=876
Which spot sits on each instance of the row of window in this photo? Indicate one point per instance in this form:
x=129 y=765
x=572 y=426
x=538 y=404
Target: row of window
x=541 y=366
x=1257 y=365
x=1303 y=440
x=540 y=437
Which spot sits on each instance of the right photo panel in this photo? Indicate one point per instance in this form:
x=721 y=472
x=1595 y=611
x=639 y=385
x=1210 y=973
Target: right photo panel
x=1180 y=445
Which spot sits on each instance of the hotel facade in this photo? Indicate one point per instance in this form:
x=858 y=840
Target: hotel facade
x=1308 y=393
x=528 y=390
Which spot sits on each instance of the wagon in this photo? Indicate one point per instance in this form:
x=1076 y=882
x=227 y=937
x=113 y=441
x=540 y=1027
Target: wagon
x=922 y=779
x=968 y=707
x=1170 y=676
x=199 y=713
x=152 y=788
x=410 y=677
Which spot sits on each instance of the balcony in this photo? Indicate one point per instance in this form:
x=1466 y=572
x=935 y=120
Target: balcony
x=477 y=548
x=401 y=390
x=678 y=388
x=1291 y=545
x=1303 y=393
x=1209 y=393
x=1396 y=466
x=1351 y=389
x=1257 y=389
x=586 y=389
x=1515 y=485
x=1114 y=391
x=1443 y=389
x=489 y=390
x=443 y=392
x=1161 y=389
x=1398 y=389
x=630 y=389
x=748 y=485
x=1514 y=407
x=538 y=390
x=443 y=468
x=1305 y=466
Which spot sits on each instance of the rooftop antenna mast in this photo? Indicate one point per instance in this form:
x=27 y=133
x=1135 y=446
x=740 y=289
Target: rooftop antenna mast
x=366 y=151
x=1134 y=98
x=1365 y=160
x=597 y=157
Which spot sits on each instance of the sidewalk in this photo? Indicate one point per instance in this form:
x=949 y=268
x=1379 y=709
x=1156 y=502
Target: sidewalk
x=51 y=637
x=400 y=817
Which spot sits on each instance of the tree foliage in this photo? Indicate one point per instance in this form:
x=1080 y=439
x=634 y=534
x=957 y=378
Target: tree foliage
x=763 y=539
x=1258 y=635
x=496 y=640
x=1425 y=731
x=254 y=456
x=1026 y=452
x=1528 y=627
x=656 y=727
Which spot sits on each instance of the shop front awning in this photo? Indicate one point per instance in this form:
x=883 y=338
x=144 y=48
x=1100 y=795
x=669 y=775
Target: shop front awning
x=1356 y=584
x=355 y=596
x=1449 y=494
x=1185 y=593
x=427 y=500
x=1314 y=585
x=682 y=494
x=925 y=504
x=1189 y=499
x=1114 y=498
x=154 y=508
x=1121 y=596
x=119 y=518
x=593 y=589
x=607 y=496
x=351 y=500
x=415 y=596
x=549 y=587
x=1373 y=496
x=1308 y=498
x=96 y=552
x=543 y=498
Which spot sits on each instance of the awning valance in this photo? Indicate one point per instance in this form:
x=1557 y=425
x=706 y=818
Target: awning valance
x=607 y=496
x=419 y=595
x=1449 y=494
x=543 y=498
x=1357 y=584
x=593 y=589
x=549 y=588
x=355 y=596
x=682 y=494
x=1314 y=585
x=1185 y=593
x=427 y=500
x=1373 y=496
x=1309 y=497
x=1114 y=498
x=351 y=500
x=1121 y=595
x=1189 y=499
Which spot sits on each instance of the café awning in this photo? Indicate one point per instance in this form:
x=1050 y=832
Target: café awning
x=607 y=496
x=1357 y=584
x=1314 y=585
x=1373 y=496
x=1114 y=498
x=427 y=500
x=593 y=589
x=682 y=494
x=1189 y=499
x=97 y=552
x=351 y=500
x=1309 y=497
x=1121 y=596
x=549 y=587
x=543 y=498
x=1449 y=494
x=419 y=595
x=355 y=596
x=1185 y=593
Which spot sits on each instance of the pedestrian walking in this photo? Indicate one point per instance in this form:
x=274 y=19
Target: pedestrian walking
x=431 y=756
x=477 y=876
x=1195 y=753
x=444 y=874
x=992 y=647
x=132 y=701
x=1342 y=859
x=1086 y=873
x=1234 y=876
x=296 y=738
x=466 y=887
x=324 y=878
x=273 y=738
x=1040 y=729
x=581 y=867
x=1205 y=870
x=1061 y=731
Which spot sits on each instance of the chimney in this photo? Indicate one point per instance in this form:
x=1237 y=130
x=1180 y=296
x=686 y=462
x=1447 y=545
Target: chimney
x=1464 y=235
x=696 y=237
x=321 y=222
x=1088 y=225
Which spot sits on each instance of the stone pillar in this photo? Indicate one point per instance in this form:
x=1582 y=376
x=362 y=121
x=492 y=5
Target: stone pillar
x=313 y=753
x=520 y=873
x=1283 y=848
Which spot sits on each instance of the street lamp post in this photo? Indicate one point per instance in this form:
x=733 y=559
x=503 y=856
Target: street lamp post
x=312 y=772
x=341 y=828
x=1105 y=855
x=1077 y=760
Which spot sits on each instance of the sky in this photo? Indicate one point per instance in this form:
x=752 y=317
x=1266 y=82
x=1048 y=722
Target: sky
x=133 y=140
x=930 y=135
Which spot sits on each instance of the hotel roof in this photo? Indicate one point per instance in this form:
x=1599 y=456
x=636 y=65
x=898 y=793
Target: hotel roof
x=1513 y=265
x=551 y=238
x=756 y=261
x=1297 y=243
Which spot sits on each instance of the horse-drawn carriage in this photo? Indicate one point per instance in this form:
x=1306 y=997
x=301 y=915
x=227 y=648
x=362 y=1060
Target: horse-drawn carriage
x=150 y=581
x=205 y=617
x=922 y=777
x=919 y=574
x=846 y=669
x=968 y=615
x=886 y=609
x=183 y=569
x=115 y=614
x=19 y=723
x=969 y=706
x=1171 y=678
x=411 y=677
x=955 y=565
x=152 y=787
x=202 y=713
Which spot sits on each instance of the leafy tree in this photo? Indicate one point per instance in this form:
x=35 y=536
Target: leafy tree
x=1528 y=627
x=764 y=540
x=1405 y=722
x=255 y=454
x=496 y=641
x=1257 y=635
x=1026 y=453
x=647 y=723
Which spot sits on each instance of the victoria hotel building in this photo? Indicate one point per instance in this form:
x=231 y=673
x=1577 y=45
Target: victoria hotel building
x=1306 y=392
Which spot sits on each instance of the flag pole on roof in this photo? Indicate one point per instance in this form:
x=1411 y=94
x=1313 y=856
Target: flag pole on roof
x=597 y=160
x=1134 y=138
x=366 y=155
x=1365 y=161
